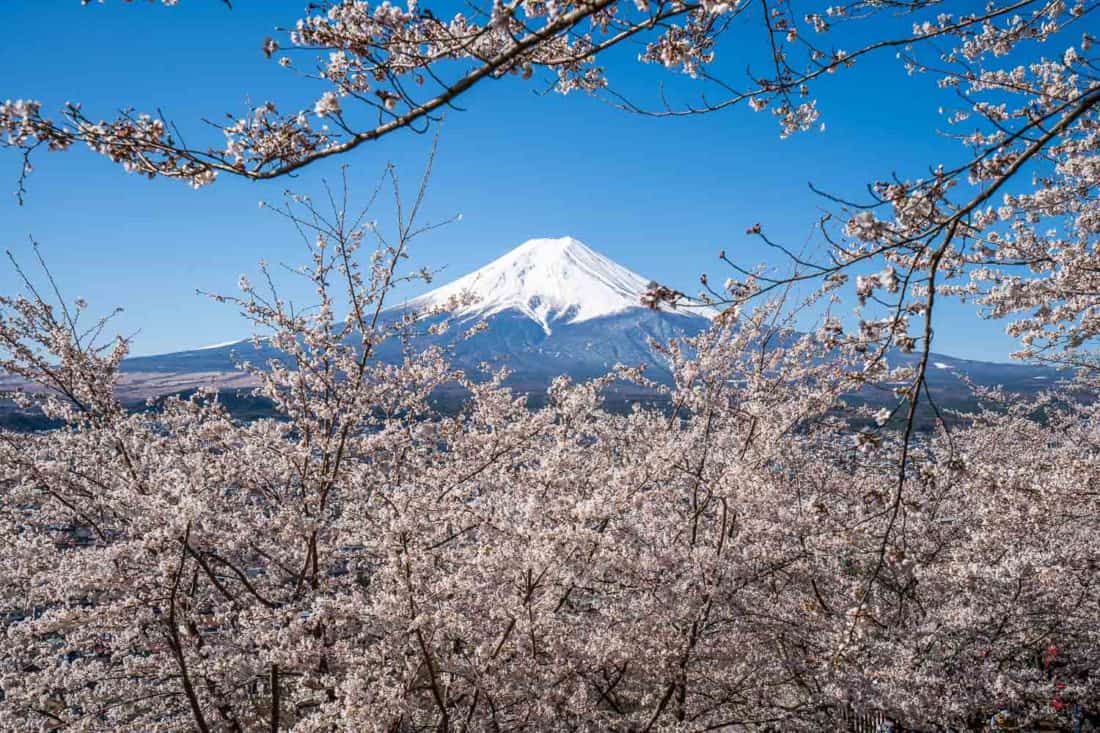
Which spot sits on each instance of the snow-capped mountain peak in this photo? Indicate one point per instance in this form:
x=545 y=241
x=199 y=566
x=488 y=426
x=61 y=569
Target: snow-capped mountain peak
x=550 y=280
x=552 y=307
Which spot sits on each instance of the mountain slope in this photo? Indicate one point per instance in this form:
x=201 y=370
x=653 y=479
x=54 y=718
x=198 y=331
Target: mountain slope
x=550 y=281
x=550 y=307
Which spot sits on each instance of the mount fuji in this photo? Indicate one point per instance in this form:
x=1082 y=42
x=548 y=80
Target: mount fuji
x=556 y=306
x=550 y=307
x=553 y=282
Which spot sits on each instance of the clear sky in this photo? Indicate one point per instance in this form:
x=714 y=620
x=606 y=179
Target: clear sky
x=661 y=196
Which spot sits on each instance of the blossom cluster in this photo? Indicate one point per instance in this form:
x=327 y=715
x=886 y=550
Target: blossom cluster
x=385 y=66
x=369 y=562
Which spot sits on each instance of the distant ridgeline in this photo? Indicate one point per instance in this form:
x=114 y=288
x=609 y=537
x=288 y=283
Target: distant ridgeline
x=550 y=307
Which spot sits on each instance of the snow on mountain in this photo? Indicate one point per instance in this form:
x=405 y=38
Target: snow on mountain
x=551 y=281
x=219 y=345
x=551 y=306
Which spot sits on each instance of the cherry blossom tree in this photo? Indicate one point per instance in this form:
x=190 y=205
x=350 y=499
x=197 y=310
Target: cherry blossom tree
x=365 y=562
x=747 y=558
x=382 y=68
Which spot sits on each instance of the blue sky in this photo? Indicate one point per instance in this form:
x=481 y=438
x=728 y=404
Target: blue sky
x=660 y=196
